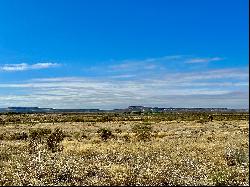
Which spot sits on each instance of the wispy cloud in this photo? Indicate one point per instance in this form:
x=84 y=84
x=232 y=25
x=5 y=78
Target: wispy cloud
x=191 y=89
x=202 y=60
x=132 y=66
x=142 y=64
x=235 y=74
x=151 y=65
x=25 y=66
x=123 y=76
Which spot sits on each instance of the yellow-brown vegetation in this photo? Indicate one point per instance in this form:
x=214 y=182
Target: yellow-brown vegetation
x=171 y=152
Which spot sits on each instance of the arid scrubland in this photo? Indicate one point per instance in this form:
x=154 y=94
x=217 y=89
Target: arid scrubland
x=117 y=149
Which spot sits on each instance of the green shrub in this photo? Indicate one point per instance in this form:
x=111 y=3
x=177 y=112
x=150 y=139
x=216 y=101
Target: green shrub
x=20 y=136
x=104 y=133
x=227 y=177
x=38 y=134
x=14 y=136
x=126 y=138
x=143 y=131
x=54 y=139
x=37 y=137
x=76 y=135
x=235 y=156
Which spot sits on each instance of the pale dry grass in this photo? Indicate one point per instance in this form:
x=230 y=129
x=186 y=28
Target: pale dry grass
x=179 y=153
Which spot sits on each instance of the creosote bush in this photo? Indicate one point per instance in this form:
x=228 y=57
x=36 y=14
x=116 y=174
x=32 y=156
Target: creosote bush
x=104 y=133
x=38 y=134
x=54 y=139
x=45 y=137
x=143 y=131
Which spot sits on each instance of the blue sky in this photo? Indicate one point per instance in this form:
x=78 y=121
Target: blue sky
x=112 y=54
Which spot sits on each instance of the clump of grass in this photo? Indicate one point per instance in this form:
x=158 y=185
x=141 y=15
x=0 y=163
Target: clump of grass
x=5 y=155
x=117 y=130
x=126 y=137
x=79 y=135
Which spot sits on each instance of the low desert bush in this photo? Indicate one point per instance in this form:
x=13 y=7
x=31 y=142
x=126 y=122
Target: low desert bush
x=126 y=137
x=235 y=156
x=118 y=130
x=143 y=131
x=2 y=135
x=38 y=134
x=228 y=177
x=104 y=133
x=20 y=136
x=79 y=135
x=14 y=136
x=54 y=139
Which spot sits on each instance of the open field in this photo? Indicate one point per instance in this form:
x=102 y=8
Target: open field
x=119 y=149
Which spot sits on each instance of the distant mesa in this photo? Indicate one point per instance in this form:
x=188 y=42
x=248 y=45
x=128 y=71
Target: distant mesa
x=130 y=109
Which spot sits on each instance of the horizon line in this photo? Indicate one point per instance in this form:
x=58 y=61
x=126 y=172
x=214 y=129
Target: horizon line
x=118 y=108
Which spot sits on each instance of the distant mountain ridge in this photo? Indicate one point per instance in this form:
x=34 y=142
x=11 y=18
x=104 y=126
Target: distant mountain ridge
x=131 y=109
